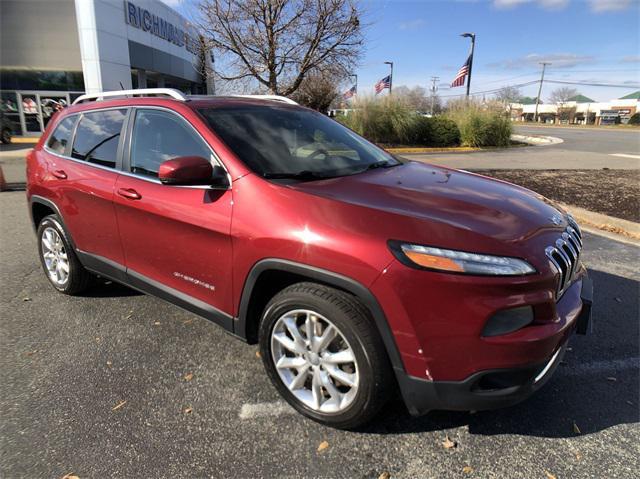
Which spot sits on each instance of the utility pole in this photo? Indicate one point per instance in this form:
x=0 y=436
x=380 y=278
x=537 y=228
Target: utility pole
x=544 y=66
x=390 y=76
x=473 y=46
x=434 y=89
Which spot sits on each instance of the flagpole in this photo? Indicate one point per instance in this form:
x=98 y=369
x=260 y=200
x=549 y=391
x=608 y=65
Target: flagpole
x=473 y=45
x=390 y=76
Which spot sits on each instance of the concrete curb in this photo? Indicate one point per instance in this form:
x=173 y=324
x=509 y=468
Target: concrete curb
x=537 y=140
x=614 y=228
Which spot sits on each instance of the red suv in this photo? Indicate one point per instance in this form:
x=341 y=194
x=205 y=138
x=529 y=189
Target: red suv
x=357 y=272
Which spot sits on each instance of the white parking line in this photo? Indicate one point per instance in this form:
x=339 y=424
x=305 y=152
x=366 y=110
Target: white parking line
x=280 y=408
x=265 y=409
x=625 y=155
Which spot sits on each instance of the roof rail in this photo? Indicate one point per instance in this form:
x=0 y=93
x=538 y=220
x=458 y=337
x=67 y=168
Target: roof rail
x=170 y=92
x=283 y=99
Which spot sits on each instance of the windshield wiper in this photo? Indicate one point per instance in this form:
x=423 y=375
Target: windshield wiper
x=300 y=175
x=380 y=164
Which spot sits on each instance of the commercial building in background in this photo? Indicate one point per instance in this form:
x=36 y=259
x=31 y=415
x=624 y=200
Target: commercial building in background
x=580 y=110
x=52 y=51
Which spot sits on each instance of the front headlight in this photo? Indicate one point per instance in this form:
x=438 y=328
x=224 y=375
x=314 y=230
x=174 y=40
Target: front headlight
x=427 y=257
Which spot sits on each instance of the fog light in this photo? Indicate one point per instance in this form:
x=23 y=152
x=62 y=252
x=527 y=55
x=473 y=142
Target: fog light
x=508 y=321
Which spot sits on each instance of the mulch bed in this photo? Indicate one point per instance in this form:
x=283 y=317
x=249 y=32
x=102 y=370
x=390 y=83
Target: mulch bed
x=611 y=192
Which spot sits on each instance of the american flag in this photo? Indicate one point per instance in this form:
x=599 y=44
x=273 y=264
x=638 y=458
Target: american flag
x=382 y=84
x=351 y=92
x=462 y=74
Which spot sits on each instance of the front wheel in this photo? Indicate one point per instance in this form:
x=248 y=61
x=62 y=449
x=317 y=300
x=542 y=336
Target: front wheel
x=324 y=355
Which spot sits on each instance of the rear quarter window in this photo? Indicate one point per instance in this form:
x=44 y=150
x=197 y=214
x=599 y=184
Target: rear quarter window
x=61 y=136
x=97 y=137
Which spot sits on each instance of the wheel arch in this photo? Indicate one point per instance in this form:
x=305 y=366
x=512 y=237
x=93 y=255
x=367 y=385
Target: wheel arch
x=269 y=276
x=40 y=207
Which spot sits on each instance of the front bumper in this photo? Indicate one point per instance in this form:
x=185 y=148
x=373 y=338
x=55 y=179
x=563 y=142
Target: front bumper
x=492 y=388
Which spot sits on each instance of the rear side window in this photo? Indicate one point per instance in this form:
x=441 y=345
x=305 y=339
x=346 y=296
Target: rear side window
x=61 y=136
x=97 y=137
x=160 y=136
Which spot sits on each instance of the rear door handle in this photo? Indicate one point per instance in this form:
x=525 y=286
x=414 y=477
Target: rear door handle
x=60 y=174
x=129 y=193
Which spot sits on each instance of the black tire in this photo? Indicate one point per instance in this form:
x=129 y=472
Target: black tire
x=79 y=279
x=5 y=137
x=355 y=324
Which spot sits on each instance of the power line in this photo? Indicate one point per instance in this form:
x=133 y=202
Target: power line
x=593 y=84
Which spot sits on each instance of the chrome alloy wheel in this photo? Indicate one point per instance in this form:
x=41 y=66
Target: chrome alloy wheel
x=314 y=361
x=55 y=256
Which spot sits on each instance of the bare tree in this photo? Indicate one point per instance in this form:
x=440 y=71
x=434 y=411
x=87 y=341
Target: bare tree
x=317 y=90
x=508 y=94
x=278 y=42
x=415 y=98
x=562 y=94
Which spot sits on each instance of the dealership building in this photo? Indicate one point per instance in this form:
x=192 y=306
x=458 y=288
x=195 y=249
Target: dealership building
x=52 y=51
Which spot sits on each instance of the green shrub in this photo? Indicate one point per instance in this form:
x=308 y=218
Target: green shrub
x=635 y=119
x=481 y=125
x=437 y=131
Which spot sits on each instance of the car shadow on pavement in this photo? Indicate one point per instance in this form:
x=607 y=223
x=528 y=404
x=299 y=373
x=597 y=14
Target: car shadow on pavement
x=596 y=386
x=105 y=288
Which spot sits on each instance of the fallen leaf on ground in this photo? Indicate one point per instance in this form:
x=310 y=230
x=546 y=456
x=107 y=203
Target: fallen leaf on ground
x=188 y=410
x=384 y=475
x=258 y=355
x=129 y=316
x=119 y=405
x=31 y=353
x=187 y=321
x=467 y=469
x=578 y=456
x=26 y=299
x=71 y=475
x=188 y=376
x=323 y=445
x=549 y=475
x=576 y=429
x=109 y=363
x=157 y=323
x=612 y=379
x=448 y=443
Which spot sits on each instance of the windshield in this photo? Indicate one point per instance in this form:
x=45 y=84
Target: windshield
x=282 y=142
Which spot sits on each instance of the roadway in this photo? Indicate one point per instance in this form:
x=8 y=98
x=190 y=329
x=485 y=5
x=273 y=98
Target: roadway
x=581 y=149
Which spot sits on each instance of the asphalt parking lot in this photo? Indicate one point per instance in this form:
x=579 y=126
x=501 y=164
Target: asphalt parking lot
x=117 y=384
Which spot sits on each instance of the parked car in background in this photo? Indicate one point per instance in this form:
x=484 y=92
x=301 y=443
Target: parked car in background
x=355 y=271
x=7 y=129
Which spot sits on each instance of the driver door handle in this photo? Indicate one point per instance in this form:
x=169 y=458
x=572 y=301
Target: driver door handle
x=60 y=174
x=129 y=193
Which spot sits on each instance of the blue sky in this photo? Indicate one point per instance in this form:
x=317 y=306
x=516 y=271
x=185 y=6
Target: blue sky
x=592 y=41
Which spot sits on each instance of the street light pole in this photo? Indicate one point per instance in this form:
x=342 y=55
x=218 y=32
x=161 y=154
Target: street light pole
x=544 y=66
x=434 y=89
x=390 y=76
x=353 y=75
x=473 y=46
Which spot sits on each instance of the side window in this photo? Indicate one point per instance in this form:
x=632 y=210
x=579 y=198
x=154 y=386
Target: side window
x=97 y=137
x=60 y=137
x=160 y=136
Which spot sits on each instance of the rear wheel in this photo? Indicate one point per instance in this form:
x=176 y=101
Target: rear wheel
x=324 y=355
x=59 y=261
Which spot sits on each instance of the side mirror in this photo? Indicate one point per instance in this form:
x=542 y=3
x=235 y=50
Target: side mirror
x=192 y=171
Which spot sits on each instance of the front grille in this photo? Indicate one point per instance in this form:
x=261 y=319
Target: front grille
x=565 y=255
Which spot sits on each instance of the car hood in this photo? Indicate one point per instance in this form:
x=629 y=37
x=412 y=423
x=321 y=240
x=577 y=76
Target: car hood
x=448 y=198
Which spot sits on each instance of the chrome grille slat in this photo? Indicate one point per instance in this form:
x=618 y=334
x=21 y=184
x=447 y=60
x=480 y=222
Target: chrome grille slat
x=564 y=255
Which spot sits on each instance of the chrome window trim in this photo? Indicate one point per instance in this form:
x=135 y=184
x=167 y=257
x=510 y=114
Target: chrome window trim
x=213 y=156
x=121 y=170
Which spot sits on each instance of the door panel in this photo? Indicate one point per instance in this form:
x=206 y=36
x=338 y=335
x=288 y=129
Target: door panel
x=85 y=200
x=179 y=237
